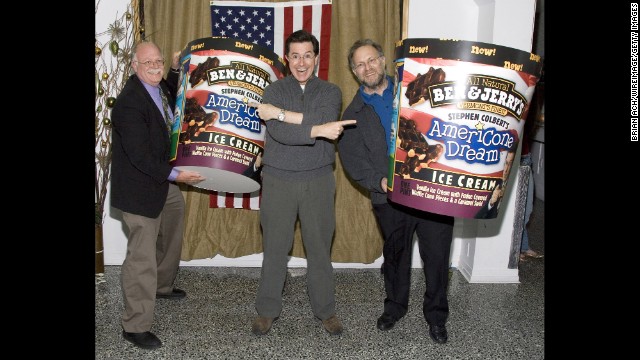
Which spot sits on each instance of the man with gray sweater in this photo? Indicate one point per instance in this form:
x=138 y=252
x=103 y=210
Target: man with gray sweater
x=298 y=181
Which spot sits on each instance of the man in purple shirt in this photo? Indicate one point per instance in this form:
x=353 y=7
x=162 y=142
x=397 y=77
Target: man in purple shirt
x=143 y=187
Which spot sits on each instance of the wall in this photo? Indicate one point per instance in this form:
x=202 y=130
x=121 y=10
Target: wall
x=537 y=147
x=115 y=240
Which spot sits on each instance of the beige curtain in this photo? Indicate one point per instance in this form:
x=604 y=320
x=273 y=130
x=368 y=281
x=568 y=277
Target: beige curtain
x=236 y=232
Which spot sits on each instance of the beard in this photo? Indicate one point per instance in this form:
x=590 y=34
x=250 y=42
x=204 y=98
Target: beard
x=375 y=82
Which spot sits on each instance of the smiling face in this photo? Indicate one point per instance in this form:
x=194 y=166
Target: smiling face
x=302 y=61
x=368 y=66
x=152 y=73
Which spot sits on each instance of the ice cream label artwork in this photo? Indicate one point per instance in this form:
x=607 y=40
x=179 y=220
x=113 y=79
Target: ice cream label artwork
x=219 y=134
x=459 y=113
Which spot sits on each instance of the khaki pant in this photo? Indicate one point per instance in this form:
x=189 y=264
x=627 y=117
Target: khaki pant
x=153 y=256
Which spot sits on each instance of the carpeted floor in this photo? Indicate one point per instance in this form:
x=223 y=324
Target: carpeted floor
x=486 y=321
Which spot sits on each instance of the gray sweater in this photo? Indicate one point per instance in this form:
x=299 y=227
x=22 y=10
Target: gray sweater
x=289 y=151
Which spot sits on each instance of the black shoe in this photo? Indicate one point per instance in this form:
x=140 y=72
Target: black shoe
x=145 y=340
x=386 y=321
x=438 y=333
x=175 y=294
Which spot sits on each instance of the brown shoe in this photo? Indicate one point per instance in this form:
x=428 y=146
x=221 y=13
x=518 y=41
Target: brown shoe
x=261 y=325
x=332 y=325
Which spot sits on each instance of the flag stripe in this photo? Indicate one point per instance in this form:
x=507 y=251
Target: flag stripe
x=229 y=201
x=307 y=23
x=288 y=25
x=325 y=41
x=249 y=201
x=278 y=30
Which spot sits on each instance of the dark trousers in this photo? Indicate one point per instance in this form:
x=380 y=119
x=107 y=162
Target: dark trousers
x=398 y=223
x=284 y=201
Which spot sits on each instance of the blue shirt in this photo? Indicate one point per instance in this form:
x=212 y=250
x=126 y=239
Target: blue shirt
x=383 y=105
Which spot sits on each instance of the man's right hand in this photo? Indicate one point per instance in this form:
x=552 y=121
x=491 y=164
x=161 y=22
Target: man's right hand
x=331 y=130
x=496 y=195
x=175 y=60
x=189 y=177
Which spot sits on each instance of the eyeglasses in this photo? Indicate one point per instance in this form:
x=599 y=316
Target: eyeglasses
x=296 y=57
x=148 y=63
x=371 y=62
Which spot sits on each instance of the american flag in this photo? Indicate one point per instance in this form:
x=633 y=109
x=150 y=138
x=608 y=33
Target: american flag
x=248 y=201
x=269 y=24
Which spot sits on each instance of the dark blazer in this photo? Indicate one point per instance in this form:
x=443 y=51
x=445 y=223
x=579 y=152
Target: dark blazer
x=140 y=149
x=485 y=213
x=363 y=148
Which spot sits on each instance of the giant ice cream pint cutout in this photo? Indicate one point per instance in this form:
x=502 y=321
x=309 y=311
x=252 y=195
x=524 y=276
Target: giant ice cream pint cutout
x=217 y=133
x=460 y=108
